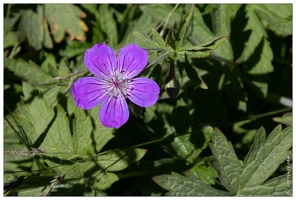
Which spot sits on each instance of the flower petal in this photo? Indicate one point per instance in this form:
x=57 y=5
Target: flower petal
x=131 y=60
x=114 y=112
x=143 y=91
x=88 y=92
x=100 y=60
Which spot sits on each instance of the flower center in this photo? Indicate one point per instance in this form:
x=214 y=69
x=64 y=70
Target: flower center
x=117 y=86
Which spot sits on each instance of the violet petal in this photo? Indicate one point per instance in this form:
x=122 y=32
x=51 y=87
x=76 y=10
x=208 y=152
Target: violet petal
x=143 y=91
x=131 y=61
x=114 y=112
x=100 y=60
x=88 y=92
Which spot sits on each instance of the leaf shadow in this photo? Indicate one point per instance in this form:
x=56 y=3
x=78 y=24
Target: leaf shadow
x=239 y=36
x=252 y=61
x=128 y=157
x=42 y=136
x=94 y=143
x=58 y=160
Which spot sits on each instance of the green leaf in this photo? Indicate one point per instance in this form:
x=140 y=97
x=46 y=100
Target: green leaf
x=192 y=73
x=65 y=18
x=247 y=178
x=277 y=17
x=221 y=25
x=88 y=130
x=186 y=186
x=205 y=172
x=37 y=113
x=10 y=39
x=182 y=28
x=99 y=167
x=92 y=8
x=159 y=12
x=31 y=26
x=170 y=40
x=200 y=32
x=203 y=50
x=144 y=41
x=28 y=71
x=287 y=119
x=258 y=67
x=29 y=187
x=46 y=129
x=190 y=146
x=76 y=155
x=108 y=24
x=47 y=40
x=265 y=156
x=226 y=161
x=74 y=48
x=142 y=25
x=274 y=187
x=282 y=27
x=106 y=179
x=119 y=160
x=235 y=92
x=158 y=39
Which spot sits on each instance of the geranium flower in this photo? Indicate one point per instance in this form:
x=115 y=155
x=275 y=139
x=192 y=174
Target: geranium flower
x=115 y=82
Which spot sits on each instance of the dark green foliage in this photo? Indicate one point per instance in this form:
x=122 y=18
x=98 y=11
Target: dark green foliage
x=227 y=68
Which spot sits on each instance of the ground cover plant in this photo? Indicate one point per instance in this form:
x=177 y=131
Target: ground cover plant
x=147 y=100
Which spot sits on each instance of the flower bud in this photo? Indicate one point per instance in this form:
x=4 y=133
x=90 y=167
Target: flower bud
x=171 y=83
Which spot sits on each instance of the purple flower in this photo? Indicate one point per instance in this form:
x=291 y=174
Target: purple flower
x=114 y=82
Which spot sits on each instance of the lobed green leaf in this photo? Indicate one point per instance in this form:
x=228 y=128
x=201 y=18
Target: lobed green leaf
x=192 y=73
x=203 y=50
x=28 y=71
x=158 y=39
x=31 y=26
x=226 y=161
x=258 y=67
x=186 y=186
x=65 y=18
x=265 y=157
x=144 y=41
x=108 y=24
x=274 y=187
x=180 y=35
x=221 y=26
x=287 y=119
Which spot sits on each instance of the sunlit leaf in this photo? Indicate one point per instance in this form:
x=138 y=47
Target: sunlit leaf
x=287 y=119
x=144 y=41
x=10 y=39
x=226 y=161
x=276 y=17
x=265 y=156
x=158 y=39
x=222 y=27
x=246 y=178
x=192 y=73
x=31 y=26
x=257 y=67
x=28 y=71
x=160 y=11
x=107 y=24
x=74 y=48
x=186 y=186
x=65 y=18
x=203 y=50
x=37 y=112
x=205 y=172
x=183 y=27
